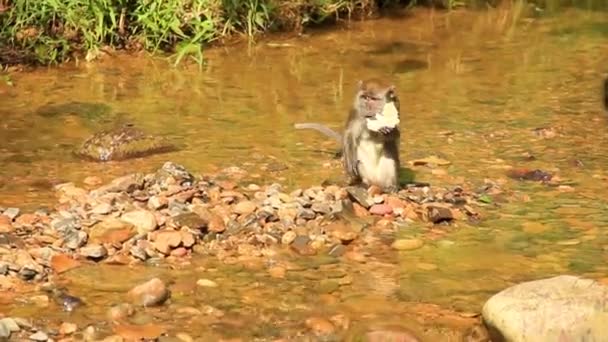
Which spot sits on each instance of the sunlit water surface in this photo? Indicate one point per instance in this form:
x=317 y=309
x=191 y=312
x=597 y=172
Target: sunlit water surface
x=477 y=75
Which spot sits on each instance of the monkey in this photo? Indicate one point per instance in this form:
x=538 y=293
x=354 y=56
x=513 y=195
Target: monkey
x=368 y=157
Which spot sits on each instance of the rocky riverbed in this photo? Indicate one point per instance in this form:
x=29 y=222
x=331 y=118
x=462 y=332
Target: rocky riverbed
x=171 y=216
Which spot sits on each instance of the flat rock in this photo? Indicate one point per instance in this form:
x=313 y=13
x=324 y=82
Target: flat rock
x=562 y=308
x=360 y=196
x=143 y=220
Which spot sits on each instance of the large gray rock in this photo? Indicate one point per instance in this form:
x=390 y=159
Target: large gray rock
x=562 y=308
x=122 y=143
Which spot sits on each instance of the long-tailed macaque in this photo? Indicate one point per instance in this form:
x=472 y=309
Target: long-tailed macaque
x=369 y=156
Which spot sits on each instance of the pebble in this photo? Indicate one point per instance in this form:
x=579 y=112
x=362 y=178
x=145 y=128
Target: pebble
x=39 y=336
x=407 y=244
x=380 y=209
x=206 y=283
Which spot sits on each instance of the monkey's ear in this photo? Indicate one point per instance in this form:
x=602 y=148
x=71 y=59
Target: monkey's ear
x=360 y=84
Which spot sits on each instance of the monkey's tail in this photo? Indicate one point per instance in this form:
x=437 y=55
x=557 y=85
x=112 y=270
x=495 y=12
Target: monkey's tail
x=321 y=128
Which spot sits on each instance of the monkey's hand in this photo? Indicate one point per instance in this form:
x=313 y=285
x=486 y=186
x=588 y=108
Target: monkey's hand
x=385 y=130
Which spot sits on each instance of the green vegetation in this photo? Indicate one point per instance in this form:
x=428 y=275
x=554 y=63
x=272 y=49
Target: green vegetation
x=53 y=31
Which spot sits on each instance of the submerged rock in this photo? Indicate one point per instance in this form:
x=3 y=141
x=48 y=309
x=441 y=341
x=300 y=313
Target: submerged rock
x=122 y=143
x=151 y=293
x=89 y=110
x=562 y=308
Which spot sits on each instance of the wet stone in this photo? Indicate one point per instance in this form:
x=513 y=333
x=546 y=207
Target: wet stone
x=337 y=250
x=288 y=237
x=301 y=245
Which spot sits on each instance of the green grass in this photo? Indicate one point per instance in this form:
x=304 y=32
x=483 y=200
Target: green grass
x=54 y=31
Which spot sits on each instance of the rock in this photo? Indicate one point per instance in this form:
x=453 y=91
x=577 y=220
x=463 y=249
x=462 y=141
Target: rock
x=183 y=337
x=92 y=181
x=5 y=224
x=244 y=208
x=288 y=237
x=438 y=214
x=167 y=240
x=67 y=328
x=102 y=209
x=27 y=219
x=360 y=196
x=321 y=208
x=122 y=143
x=190 y=220
x=8 y=326
x=11 y=213
x=342 y=232
x=120 y=312
x=337 y=250
x=188 y=239
x=111 y=230
x=407 y=244
x=215 y=223
x=143 y=220
x=206 y=283
x=562 y=308
x=391 y=334
x=380 y=209
x=301 y=245
x=128 y=184
x=39 y=336
x=75 y=239
x=157 y=202
x=94 y=251
x=430 y=161
x=320 y=326
x=307 y=214
x=530 y=175
x=5 y=332
x=277 y=272
x=61 y=263
x=151 y=293
x=175 y=172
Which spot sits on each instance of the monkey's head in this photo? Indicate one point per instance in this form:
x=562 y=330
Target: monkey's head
x=372 y=95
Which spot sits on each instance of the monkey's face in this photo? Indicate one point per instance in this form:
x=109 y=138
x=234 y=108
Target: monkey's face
x=372 y=97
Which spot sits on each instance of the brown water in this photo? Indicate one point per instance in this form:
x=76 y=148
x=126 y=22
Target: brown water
x=487 y=80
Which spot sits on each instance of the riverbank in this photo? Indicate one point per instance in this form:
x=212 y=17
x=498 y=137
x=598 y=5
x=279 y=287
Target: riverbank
x=170 y=218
